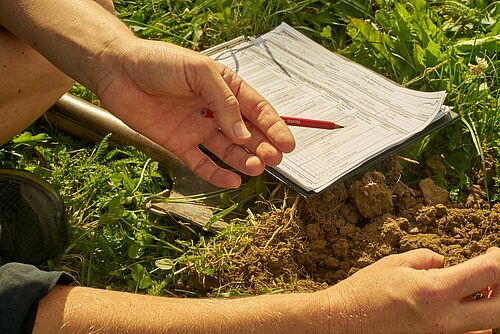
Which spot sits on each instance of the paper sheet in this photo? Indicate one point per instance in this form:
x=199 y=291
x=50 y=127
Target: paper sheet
x=300 y=78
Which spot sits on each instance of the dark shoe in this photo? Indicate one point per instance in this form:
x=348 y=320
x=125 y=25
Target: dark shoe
x=32 y=220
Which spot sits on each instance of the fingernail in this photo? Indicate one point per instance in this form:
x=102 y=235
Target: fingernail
x=253 y=161
x=240 y=130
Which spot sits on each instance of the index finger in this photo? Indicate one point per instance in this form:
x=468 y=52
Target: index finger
x=259 y=111
x=214 y=90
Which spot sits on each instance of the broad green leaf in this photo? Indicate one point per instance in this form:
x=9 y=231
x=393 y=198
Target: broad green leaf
x=495 y=30
x=134 y=251
x=418 y=57
x=489 y=43
x=165 y=264
x=137 y=272
x=117 y=178
x=115 y=207
x=197 y=33
x=139 y=276
x=420 y=6
x=432 y=53
x=375 y=38
x=402 y=20
x=383 y=18
x=29 y=139
x=145 y=282
x=130 y=184
x=401 y=12
x=326 y=32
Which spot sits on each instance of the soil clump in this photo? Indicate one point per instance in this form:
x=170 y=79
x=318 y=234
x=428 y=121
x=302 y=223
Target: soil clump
x=318 y=242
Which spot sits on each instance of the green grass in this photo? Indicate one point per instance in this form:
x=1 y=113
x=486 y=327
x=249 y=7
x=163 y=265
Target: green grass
x=115 y=243
x=450 y=46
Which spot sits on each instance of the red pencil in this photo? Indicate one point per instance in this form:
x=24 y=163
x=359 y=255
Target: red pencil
x=292 y=121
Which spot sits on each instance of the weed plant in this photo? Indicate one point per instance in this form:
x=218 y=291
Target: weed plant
x=424 y=45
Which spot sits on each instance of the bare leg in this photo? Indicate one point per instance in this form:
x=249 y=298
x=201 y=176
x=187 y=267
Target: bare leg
x=29 y=84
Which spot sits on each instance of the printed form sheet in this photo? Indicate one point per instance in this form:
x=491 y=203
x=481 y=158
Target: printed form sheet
x=300 y=78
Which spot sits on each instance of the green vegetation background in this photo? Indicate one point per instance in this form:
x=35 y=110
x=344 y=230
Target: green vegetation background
x=424 y=45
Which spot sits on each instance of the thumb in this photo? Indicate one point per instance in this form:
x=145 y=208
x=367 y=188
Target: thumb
x=213 y=89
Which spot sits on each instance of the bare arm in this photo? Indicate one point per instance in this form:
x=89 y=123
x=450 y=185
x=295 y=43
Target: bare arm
x=81 y=310
x=73 y=35
x=157 y=88
x=65 y=33
x=405 y=293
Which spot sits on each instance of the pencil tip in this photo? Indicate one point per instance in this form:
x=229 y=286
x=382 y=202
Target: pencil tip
x=338 y=126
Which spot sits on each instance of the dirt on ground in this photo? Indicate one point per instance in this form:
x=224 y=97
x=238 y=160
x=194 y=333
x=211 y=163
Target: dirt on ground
x=313 y=243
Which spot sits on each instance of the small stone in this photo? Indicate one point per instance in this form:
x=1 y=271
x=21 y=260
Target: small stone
x=432 y=193
x=414 y=230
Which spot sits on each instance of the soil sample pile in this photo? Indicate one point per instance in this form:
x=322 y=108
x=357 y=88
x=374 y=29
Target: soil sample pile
x=311 y=244
x=380 y=217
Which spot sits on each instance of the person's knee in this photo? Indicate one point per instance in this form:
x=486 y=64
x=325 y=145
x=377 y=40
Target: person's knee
x=29 y=85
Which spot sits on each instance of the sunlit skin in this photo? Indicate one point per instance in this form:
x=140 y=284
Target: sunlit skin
x=156 y=88
x=404 y=293
x=175 y=120
x=159 y=89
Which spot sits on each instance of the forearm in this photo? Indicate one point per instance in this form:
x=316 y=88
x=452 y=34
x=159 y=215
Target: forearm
x=75 y=44
x=77 y=309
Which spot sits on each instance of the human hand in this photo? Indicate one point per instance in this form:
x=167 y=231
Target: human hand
x=412 y=293
x=159 y=90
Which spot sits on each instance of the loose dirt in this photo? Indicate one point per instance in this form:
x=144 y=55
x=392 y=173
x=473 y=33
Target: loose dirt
x=313 y=243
